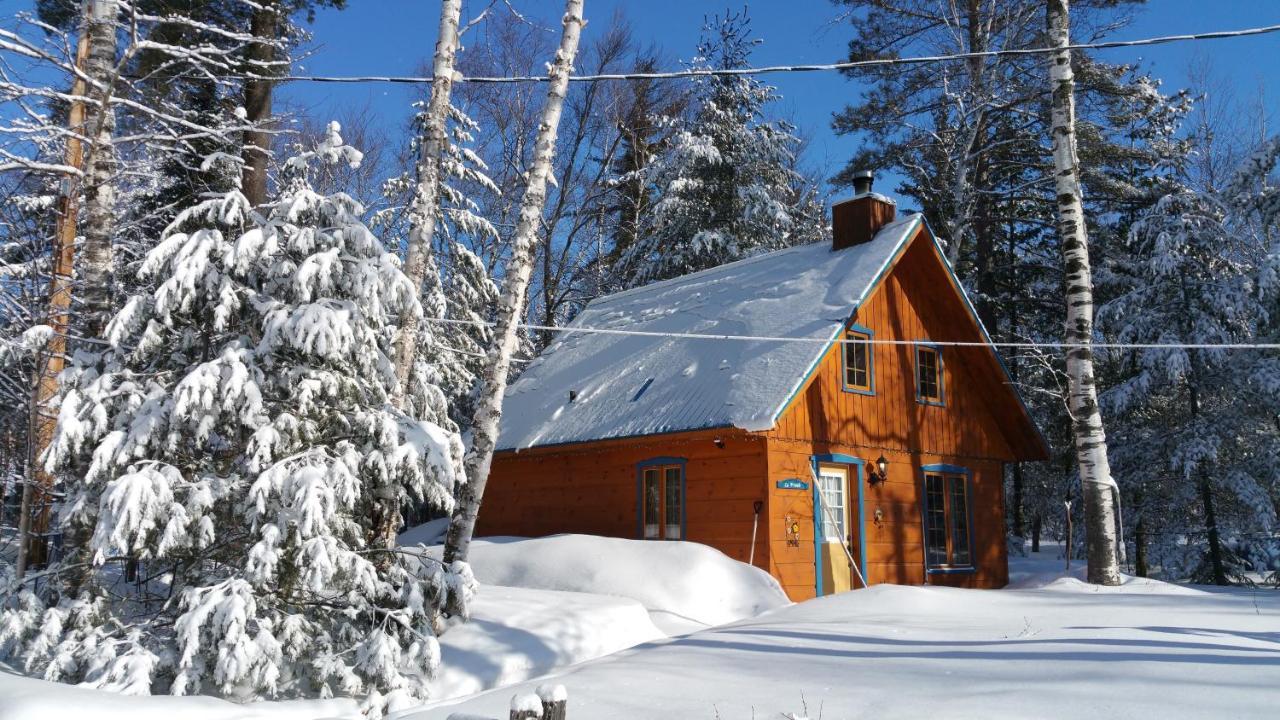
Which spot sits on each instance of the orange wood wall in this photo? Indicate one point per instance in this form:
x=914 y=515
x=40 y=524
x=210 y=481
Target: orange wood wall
x=592 y=488
x=913 y=303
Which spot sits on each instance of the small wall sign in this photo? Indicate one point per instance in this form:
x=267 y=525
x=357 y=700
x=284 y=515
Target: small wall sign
x=793 y=484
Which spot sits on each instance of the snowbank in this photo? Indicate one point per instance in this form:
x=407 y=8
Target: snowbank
x=23 y=698
x=1044 y=571
x=518 y=633
x=685 y=586
x=1059 y=651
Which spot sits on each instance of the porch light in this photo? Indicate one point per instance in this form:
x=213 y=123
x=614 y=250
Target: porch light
x=880 y=473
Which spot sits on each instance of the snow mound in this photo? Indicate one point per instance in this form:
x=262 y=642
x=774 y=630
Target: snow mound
x=684 y=585
x=1047 y=573
x=517 y=633
x=24 y=698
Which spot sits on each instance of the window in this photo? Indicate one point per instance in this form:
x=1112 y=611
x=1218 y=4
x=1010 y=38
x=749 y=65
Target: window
x=662 y=502
x=929 y=375
x=946 y=518
x=831 y=485
x=858 y=363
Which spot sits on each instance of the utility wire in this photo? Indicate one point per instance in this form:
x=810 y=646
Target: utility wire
x=770 y=69
x=570 y=330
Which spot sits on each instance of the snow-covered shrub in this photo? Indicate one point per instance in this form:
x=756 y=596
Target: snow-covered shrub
x=235 y=470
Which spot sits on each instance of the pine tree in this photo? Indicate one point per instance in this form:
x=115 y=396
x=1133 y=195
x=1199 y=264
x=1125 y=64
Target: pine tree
x=237 y=438
x=1197 y=425
x=725 y=186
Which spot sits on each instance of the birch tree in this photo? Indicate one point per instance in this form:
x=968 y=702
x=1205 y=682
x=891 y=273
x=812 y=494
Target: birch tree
x=99 y=182
x=419 y=260
x=1098 y=488
x=515 y=285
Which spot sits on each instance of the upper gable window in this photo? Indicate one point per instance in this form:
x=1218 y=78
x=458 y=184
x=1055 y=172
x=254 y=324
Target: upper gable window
x=859 y=362
x=929 y=384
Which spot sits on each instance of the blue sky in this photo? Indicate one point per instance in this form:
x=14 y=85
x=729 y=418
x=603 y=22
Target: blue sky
x=392 y=37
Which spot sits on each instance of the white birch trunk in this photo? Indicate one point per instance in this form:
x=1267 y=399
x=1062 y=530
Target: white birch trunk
x=515 y=285
x=1090 y=440
x=99 y=180
x=425 y=205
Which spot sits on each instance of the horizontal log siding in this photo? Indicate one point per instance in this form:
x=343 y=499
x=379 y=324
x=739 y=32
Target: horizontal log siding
x=591 y=488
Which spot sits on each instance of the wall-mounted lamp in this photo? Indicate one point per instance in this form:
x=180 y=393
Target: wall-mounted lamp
x=879 y=473
x=719 y=442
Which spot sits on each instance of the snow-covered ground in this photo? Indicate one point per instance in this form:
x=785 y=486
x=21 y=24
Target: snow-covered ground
x=1049 y=646
x=1053 y=647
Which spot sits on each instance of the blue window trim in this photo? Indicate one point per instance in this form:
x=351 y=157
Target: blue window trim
x=871 y=361
x=967 y=475
x=836 y=459
x=942 y=385
x=663 y=461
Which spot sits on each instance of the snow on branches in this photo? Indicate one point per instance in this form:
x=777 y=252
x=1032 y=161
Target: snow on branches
x=227 y=459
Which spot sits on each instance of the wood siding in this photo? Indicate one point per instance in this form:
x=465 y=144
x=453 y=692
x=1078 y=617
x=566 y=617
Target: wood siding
x=914 y=302
x=593 y=488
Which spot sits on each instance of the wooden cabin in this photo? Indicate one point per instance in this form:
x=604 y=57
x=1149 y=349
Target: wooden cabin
x=822 y=461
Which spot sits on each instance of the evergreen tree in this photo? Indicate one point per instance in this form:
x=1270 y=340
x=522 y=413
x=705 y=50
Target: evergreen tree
x=725 y=185
x=237 y=437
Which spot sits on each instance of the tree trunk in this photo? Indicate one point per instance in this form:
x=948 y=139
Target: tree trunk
x=420 y=264
x=1140 y=547
x=1019 y=525
x=515 y=285
x=1035 y=533
x=37 y=489
x=99 y=182
x=1086 y=416
x=1216 y=563
x=257 y=103
x=425 y=206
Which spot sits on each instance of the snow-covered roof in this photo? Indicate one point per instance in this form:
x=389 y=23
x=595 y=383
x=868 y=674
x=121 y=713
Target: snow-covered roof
x=627 y=385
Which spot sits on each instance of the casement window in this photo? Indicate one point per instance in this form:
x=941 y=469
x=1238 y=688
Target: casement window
x=946 y=521
x=859 y=363
x=929 y=389
x=831 y=486
x=662 y=501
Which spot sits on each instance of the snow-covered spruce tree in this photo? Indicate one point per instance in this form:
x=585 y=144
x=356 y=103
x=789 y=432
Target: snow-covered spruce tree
x=726 y=186
x=237 y=437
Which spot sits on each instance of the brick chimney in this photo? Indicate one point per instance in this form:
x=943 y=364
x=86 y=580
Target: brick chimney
x=858 y=219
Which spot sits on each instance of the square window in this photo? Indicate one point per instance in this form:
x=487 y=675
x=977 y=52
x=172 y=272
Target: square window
x=857 y=362
x=929 y=375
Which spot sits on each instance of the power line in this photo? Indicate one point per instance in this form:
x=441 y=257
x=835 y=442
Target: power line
x=872 y=341
x=770 y=69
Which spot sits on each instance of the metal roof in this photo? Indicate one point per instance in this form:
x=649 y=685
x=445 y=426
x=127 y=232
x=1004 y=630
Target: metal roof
x=625 y=386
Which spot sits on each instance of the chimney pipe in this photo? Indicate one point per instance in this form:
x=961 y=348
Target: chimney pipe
x=862 y=181
x=857 y=220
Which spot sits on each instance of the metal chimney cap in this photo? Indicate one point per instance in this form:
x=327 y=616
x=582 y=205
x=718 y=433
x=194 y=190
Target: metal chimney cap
x=862 y=182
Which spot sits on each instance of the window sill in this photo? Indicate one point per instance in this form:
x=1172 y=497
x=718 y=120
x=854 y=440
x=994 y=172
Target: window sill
x=931 y=403
x=950 y=570
x=859 y=391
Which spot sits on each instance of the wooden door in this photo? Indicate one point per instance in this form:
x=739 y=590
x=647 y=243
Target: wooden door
x=832 y=529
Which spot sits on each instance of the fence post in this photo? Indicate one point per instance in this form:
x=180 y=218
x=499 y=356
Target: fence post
x=555 y=701
x=526 y=707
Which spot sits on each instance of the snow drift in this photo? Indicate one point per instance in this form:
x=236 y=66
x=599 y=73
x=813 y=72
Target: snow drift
x=684 y=585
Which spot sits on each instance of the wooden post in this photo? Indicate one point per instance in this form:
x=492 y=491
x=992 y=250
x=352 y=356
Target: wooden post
x=37 y=491
x=526 y=707
x=1068 y=548
x=555 y=701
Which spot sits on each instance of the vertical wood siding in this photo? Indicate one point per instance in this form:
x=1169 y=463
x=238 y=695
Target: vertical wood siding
x=914 y=302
